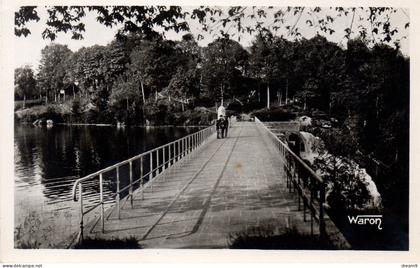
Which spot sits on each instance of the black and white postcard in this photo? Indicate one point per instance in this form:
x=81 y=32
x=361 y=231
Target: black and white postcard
x=256 y=128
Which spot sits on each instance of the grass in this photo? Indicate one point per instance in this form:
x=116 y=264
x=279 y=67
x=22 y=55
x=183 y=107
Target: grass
x=265 y=238
x=99 y=243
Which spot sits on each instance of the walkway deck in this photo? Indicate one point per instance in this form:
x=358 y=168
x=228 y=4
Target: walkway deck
x=228 y=186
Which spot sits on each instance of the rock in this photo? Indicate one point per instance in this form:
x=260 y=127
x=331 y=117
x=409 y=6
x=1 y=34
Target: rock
x=310 y=146
x=305 y=121
x=50 y=123
x=312 y=150
x=245 y=117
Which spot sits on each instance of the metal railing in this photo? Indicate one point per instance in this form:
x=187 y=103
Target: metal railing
x=301 y=178
x=141 y=170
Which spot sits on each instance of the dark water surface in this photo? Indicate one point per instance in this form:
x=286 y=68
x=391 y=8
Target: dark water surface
x=48 y=161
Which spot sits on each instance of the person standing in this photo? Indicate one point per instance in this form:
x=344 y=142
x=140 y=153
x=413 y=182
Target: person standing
x=219 y=129
x=226 y=126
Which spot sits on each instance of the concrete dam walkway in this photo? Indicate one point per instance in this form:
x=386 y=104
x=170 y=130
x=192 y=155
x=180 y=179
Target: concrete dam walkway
x=228 y=186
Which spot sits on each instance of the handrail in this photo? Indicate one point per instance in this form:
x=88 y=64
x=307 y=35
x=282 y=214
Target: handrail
x=104 y=170
x=291 y=152
x=309 y=185
x=160 y=159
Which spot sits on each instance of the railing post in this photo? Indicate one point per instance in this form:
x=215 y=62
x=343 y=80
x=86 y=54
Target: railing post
x=183 y=147
x=131 y=183
x=178 y=156
x=157 y=162
x=321 y=211
x=101 y=193
x=299 y=191
x=141 y=177
x=174 y=159
x=151 y=170
x=311 y=206
x=81 y=210
x=169 y=156
x=164 y=158
x=175 y=152
x=186 y=145
x=196 y=140
x=117 y=200
x=289 y=168
x=191 y=143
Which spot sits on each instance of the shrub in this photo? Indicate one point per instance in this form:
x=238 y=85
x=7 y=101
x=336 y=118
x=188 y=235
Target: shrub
x=265 y=238
x=277 y=114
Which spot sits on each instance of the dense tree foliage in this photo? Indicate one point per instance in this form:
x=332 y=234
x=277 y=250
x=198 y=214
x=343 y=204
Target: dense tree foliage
x=25 y=83
x=52 y=70
x=224 y=65
x=372 y=24
x=367 y=89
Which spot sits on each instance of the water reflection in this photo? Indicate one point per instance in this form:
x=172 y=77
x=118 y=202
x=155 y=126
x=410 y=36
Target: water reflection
x=48 y=161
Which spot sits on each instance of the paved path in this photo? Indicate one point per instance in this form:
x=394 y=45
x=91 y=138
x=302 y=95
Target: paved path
x=226 y=187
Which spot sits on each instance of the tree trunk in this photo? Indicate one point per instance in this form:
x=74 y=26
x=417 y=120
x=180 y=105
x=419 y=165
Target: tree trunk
x=221 y=94
x=126 y=99
x=304 y=104
x=287 y=90
x=281 y=98
x=24 y=101
x=74 y=95
x=329 y=107
x=156 y=98
x=259 y=94
x=142 y=91
x=268 y=96
x=182 y=105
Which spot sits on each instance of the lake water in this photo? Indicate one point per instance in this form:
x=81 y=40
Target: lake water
x=48 y=161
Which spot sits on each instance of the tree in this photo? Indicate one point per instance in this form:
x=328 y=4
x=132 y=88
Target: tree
x=373 y=24
x=52 y=69
x=25 y=83
x=153 y=64
x=305 y=95
x=125 y=99
x=184 y=86
x=264 y=65
x=225 y=63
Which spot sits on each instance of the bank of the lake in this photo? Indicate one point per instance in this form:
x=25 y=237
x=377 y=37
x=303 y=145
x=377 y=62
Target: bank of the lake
x=153 y=115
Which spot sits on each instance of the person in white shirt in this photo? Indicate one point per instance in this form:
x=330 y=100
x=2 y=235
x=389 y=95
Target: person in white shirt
x=221 y=111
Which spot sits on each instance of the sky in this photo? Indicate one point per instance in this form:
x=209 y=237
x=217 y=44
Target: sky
x=28 y=49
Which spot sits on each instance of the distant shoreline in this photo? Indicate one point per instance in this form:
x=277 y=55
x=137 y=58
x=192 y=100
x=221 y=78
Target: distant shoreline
x=113 y=125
